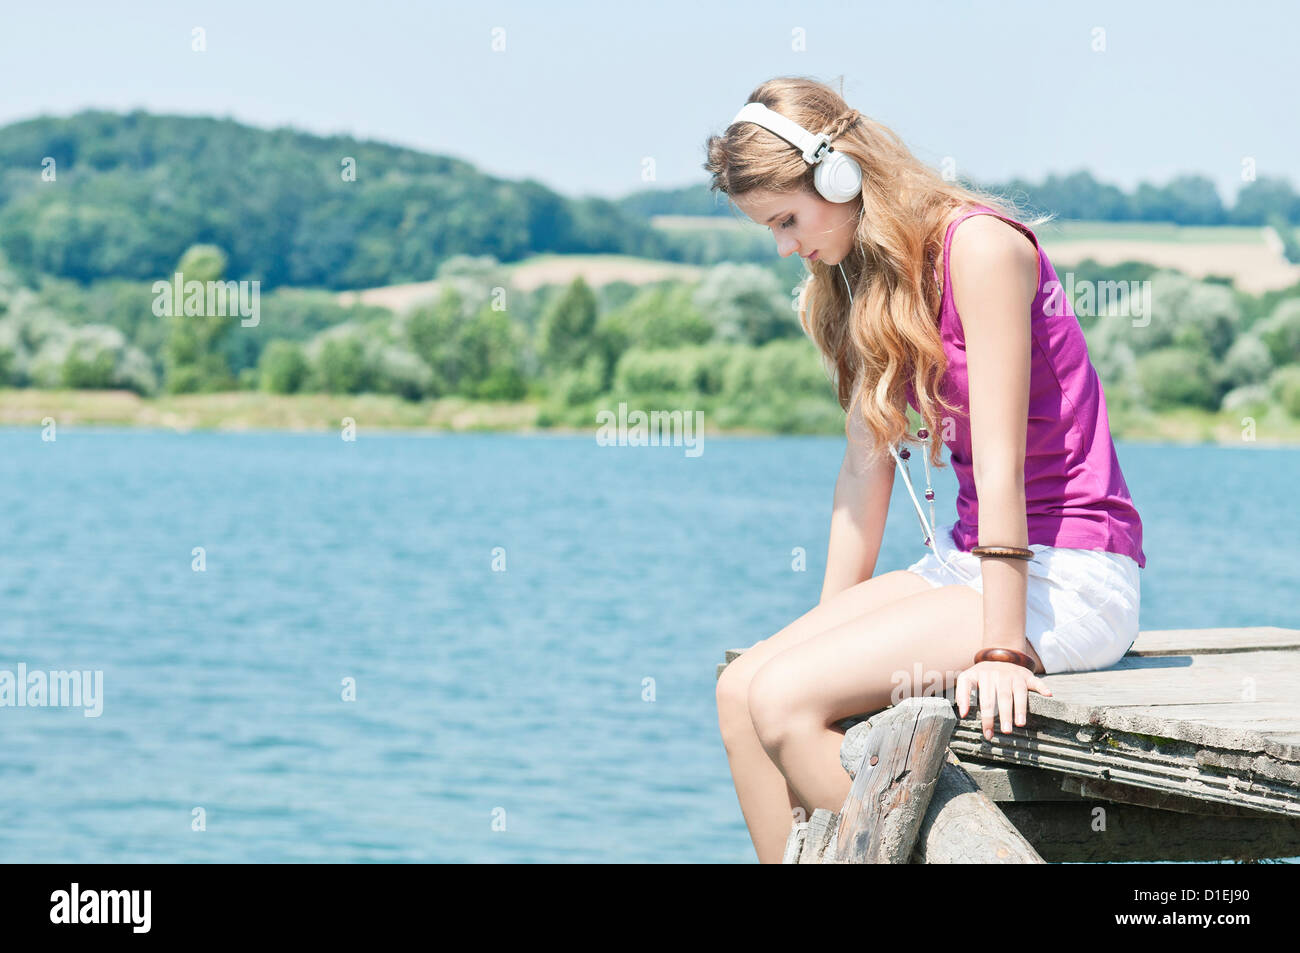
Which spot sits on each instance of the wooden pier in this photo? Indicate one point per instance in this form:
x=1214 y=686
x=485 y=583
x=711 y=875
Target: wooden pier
x=1187 y=749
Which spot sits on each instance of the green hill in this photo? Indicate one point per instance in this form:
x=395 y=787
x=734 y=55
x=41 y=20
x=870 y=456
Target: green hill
x=132 y=191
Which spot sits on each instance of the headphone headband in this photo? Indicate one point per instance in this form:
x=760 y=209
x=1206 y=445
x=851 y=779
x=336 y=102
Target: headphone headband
x=813 y=147
x=836 y=177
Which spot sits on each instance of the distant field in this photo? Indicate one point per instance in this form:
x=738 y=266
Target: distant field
x=539 y=270
x=1070 y=230
x=700 y=223
x=251 y=410
x=596 y=269
x=1250 y=256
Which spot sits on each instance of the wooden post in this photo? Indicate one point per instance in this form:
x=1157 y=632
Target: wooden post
x=895 y=779
x=794 y=843
x=962 y=825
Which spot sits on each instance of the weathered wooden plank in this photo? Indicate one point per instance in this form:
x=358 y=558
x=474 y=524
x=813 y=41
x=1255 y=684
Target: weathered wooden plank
x=1174 y=766
x=812 y=841
x=904 y=752
x=1109 y=748
x=1182 y=697
x=828 y=852
x=821 y=828
x=1225 y=678
x=794 y=843
x=1268 y=727
x=1283 y=745
x=1209 y=641
x=1008 y=783
x=1110 y=832
x=1013 y=783
x=1093 y=789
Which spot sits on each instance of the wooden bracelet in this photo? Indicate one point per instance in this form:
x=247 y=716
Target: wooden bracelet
x=1004 y=655
x=1006 y=552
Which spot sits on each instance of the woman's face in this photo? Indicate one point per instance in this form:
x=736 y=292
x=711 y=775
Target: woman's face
x=804 y=222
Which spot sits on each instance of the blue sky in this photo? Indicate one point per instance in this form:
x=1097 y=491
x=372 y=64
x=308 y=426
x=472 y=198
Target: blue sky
x=583 y=92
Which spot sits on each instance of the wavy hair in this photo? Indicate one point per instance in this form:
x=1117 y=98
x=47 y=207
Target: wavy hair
x=890 y=335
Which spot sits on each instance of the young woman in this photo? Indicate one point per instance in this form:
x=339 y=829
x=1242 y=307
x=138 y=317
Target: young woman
x=927 y=294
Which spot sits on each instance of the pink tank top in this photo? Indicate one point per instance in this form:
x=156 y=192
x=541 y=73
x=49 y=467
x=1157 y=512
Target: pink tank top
x=1075 y=494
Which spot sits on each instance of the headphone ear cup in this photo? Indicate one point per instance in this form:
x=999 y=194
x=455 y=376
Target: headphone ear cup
x=837 y=177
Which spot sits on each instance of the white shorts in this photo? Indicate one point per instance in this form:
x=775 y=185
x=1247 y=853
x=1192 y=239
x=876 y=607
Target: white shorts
x=1081 y=610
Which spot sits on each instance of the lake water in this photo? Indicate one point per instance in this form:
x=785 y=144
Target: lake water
x=486 y=697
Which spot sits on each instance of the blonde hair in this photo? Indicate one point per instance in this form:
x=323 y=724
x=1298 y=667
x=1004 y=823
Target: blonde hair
x=890 y=335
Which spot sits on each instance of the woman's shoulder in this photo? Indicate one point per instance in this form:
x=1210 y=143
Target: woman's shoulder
x=983 y=228
x=991 y=232
x=985 y=247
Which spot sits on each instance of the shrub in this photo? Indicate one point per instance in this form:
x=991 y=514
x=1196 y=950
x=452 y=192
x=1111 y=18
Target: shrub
x=663 y=317
x=574 y=387
x=1280 y=332
x=776 y=371
x=1248 y=361
x=1185 y=313
x=283 y=368
x=684 y=370
x=395 y=371
x=746 y=304
x=337 y=360
x=1175 y=377
x=1284 y=387
x=96 y=356
x=1245 y=397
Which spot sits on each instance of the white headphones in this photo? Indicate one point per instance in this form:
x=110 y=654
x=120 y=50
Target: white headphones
x=837 y=177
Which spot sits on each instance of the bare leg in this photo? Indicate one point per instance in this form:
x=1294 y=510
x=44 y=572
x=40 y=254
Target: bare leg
x=916 y=645
x=767 y=802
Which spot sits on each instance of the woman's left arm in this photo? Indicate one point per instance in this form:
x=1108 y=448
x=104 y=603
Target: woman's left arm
x=995 y=279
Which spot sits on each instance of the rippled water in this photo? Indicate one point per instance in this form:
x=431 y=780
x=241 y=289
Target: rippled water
x=484 y=699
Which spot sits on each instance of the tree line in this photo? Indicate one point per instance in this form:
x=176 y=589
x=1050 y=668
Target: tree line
x=101 y=195
x=729 y=343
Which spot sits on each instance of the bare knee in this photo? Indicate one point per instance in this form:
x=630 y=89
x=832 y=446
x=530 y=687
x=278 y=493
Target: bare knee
x=775 y=711
x=733 y=703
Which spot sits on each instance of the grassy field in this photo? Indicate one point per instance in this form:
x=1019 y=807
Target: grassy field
x=250 y=410
x=1272 y=427
x=535 y=272
x=1068 y=230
